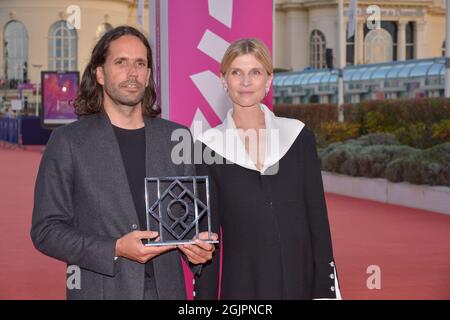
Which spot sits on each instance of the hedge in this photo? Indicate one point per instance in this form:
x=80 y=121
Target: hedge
x=313 y=115
x=419 y=123
x=381 y=155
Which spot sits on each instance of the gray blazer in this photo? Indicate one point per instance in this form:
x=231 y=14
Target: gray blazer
x=83 y=203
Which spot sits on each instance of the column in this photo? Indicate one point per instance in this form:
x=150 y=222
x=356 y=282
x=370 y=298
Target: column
x=419 y=40
x=359 y=42
x=280 y=45
x=297 y=38
x=342 y=43
x=401 y=40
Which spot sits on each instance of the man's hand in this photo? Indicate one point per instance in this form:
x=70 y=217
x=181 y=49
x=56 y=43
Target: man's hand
x=200 y=252
x=130 y=246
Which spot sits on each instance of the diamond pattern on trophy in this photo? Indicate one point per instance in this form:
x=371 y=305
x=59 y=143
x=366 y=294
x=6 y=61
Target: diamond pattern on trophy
x=180 y=204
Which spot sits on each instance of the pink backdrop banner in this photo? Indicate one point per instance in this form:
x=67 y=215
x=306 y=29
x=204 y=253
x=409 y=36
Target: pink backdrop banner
x=193 y=35
x=198 y=30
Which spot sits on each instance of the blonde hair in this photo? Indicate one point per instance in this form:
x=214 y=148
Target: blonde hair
x=251 y=46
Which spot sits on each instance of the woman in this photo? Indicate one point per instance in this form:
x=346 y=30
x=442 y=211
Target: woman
x=267 y=194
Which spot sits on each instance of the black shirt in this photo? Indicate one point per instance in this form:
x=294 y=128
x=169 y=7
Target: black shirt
x=132 y=149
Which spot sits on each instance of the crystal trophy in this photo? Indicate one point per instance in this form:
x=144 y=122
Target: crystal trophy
x=177 y=207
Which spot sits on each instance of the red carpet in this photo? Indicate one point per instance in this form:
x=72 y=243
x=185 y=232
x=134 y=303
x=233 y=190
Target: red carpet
x=411 y=247
x=24 y=272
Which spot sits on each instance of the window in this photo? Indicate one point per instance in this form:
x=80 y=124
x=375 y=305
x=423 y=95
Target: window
x=443 y=49
x=318 y=50
x=389 y=27
x=350 y=56
x=378 y=46
x=62 y=47
x=16 y=51
x=102 y=29
x=409 y=41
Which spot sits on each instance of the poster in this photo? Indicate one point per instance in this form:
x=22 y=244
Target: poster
x=59 y=90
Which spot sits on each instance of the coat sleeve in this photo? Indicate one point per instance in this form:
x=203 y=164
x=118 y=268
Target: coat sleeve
x=325 y=284
x=53 y=229
x=207 y=282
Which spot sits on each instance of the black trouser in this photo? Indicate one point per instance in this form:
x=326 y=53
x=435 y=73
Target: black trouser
x=150 y=292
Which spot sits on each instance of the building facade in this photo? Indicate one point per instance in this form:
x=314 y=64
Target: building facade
x=35 y=35
x=377 y=81
x=306 y=32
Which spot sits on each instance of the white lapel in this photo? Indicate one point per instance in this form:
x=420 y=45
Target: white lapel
x=280 y=135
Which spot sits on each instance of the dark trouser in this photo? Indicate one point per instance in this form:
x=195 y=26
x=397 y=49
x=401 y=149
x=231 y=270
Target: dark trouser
x=150 y=292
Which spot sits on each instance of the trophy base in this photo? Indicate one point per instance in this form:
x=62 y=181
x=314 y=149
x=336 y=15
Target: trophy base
x=175 y=243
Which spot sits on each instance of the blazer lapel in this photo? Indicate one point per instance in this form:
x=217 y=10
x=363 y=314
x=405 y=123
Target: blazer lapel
x=110 y=151
x=157 y=162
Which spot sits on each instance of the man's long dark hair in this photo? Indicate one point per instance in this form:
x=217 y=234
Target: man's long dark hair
x=90 y=96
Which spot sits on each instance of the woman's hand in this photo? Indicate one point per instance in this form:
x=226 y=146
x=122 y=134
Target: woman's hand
x=200 y=251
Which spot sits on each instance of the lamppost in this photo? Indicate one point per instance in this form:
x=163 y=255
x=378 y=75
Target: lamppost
x=6 y=71
x=38 y=85
x=341 y=62
x=447 y=49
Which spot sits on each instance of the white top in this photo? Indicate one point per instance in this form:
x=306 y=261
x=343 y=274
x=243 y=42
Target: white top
x=280 y=134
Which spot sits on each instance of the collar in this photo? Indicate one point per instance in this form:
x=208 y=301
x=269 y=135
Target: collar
x=281 y=133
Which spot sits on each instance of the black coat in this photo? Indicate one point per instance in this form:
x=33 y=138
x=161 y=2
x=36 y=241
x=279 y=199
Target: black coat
x=275 y=231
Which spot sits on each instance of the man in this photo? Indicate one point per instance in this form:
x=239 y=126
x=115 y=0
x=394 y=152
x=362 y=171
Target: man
x=90 y=196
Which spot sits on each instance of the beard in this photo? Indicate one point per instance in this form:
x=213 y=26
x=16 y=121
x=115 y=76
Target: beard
x=119 y=96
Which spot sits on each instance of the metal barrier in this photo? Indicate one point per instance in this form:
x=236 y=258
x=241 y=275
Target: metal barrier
x=22 y=131
x=9 y=131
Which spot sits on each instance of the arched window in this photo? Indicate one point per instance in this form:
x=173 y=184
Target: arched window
x=391 y=28
x=102 y=29
x=318 y=48
x=378 y=46
x=62 y=47
x=16 y=51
